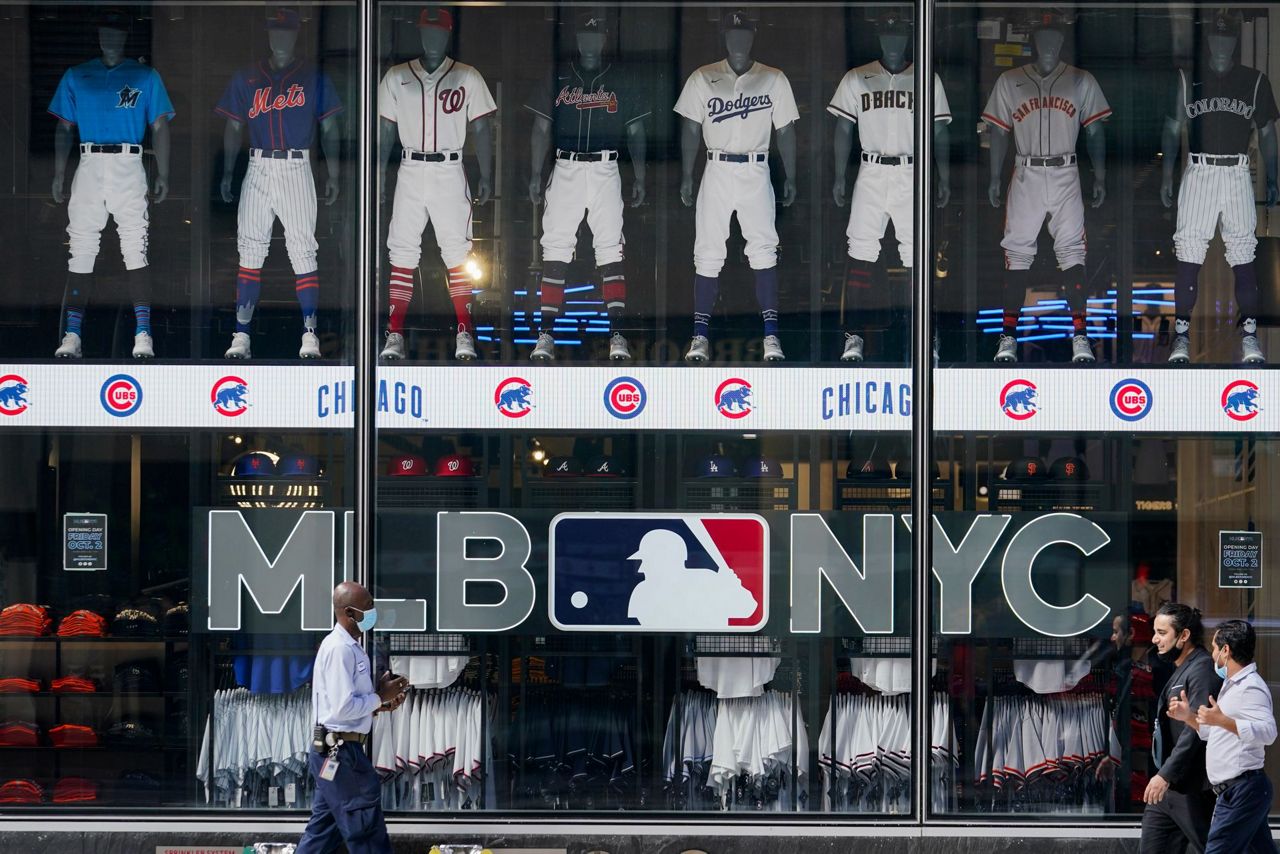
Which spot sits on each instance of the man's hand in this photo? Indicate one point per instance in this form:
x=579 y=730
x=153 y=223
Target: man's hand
x=686 y=191
x=942 y=195
x=838 y=191
x=389 y=687
x=330 y=190
x=1099 y=190
x=484 y=189
x=1179 y=709
x=161 y=190
x=788 y=192
x=225 y=188
x=993 y=192
x=58 y=180
x=1166 y=191
x=1211 y=715
x=637 y=193
x=535 y=189
x=1155 y=790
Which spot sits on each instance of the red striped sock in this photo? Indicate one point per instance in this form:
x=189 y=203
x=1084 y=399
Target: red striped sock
x=460 y=296
x=400 y=292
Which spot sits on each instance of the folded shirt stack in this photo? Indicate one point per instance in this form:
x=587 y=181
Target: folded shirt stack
x=72 y=790
x=21 y=792
x=25 y=620
x=73 y=735
x=19 y=685
x=82 y=624
x=73 y=685
x=19 y=734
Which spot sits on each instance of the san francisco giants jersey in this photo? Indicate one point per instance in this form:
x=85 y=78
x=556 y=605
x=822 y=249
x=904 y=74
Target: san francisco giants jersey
x=1221 y=110
x=590 y=111
x=280 y=106
x=111 y=105
x=432 y=109
x=1045 y=114
x=882 y=104
x=737 y=112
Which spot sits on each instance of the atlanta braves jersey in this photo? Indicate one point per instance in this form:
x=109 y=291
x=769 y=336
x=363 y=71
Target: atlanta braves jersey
x=590 y=111
x=1045 y=114
x=1221 y=110
x=111 y=105
x=280 y=106
x=432 y=109
x=882 y=104
x=737 y=112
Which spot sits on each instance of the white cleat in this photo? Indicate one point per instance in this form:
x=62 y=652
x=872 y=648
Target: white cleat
x=464 y=347
x=699 y=349
x=142 y=346
x=239 y=348
x=852 y=348
x=1081 y=349
x=1007 y=349
x=70 y=347
x=545 y=349
x=1250 y=351
x=618 y=349
x=310 y=348
x=393 y=350
x=1180 y=352
x=773 y=349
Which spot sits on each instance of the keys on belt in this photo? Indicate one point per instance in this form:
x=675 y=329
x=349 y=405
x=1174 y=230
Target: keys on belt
x=756 y=157
x=92 y=148
x=328 y=741
x=1227 y=784
x=1059 y=160
x=587 y=156
x=431 y=156
x=887 y=160
x=278 y=153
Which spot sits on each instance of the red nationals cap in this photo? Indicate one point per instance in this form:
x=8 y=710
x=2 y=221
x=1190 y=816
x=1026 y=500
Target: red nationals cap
x=435 y=18
x=407 y=466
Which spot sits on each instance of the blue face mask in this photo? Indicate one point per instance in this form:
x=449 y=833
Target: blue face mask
x=1221 y=670
x=368 y=621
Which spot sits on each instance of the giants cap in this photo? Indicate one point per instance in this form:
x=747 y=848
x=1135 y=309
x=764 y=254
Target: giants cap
x=590 y=22
x=454 y=465
x=762 y=467
x=439 y=18
x=738 y=20
x=604 y=466
x=717 y=466
x=254 y=464
x=1025 y=468
x=299 y=465
x=1069 y=468
x=563 y=467
x=284 y=19
x=407 y=465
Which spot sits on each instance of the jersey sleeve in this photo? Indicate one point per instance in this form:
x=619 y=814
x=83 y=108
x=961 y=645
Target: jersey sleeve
x=844 y=103
x=1093 y=104
x=941 y=107
x=691 y=104
x=387 y=97
x=1265 y=111
x=784 y=103
x=330 y=104
x=63 y=104
x=158 y=104
x=999 y=112
x=232 y=103
x=480 y=104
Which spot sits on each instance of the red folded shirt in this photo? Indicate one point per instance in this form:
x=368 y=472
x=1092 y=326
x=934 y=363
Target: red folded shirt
x=83 y=624
x=19 y=734
x=25 y=620
x=21 y=792
x=73 y=735
x=74 y=790
x=19 y=685
x=73 y=685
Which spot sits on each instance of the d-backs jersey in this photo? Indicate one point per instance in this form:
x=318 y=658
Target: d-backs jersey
x=111 y=105
x=432 y=109
x=1221 y=110
x=1046 y=113
x=882 y=104
x=280 y=106
x=737 y=112
x=590 y=111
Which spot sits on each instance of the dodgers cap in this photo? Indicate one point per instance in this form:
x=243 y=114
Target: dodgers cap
x=762 y=467
x=737 y=20
x=717 y=466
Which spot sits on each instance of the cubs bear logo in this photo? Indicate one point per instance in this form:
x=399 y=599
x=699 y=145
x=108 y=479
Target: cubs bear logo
x=1240 y=400
x=13 y=394
x=1018 y=399
x=1130 y=399
x=733 y=398
x=625 y=397
x=513 y=397
x=121 y=395
x=229 y=396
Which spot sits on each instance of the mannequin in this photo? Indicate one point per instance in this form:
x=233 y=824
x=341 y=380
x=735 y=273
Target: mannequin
x=110 y=102
x=1219 y=107
x=281 y=99
x=592 y=110
x=732 y=105
x=432 y=186
x=1045 y=105
x=878 y=98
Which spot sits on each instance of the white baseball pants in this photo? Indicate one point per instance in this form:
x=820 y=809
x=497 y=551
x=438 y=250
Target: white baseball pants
x=1207 y=194
x=283 y=189
x=575 y=186
x=881 y=193
x=105 y=186
x=430 y=192
x=1037 y=192
x=726 y=189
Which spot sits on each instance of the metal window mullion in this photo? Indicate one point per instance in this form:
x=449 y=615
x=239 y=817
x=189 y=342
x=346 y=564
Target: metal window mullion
x=366 y=448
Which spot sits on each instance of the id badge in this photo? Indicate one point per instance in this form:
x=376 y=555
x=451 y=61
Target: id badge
x=329 y=769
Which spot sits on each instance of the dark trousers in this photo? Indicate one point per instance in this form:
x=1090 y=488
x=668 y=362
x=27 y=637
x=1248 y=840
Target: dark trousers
x=1180 y=822
x=1240 y=819
x=347 y=808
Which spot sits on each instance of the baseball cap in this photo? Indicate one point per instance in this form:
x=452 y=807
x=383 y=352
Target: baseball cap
x=115 y=19
x=589 y=22
x=762 y=467
x=891 y=23
x=454 y=465
x=1049 y=20
x=717 y=466
x=738 y=20
x=1069 y=468
x=871 y=468
x=1025 y=468
x=407 y=465
x=254 y=464
x=563 y=467
x=1224 y=23
x=432 y=17
x=284 y=19
x=299 y=465
x=604 y=466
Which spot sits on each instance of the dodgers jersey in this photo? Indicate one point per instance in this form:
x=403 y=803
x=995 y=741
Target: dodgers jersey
x=280 y=106
x=432 y=109
x=111 y=105
x=1221 y=109
x=882 y=104
x=590 y=111
x=1046 y=113
x=737 y=113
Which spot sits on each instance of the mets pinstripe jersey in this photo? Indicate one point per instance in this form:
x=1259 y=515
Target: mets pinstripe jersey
x=280 y=106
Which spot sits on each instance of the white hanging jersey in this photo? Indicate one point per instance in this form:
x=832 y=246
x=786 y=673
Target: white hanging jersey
x=737 y=113
x=432 y=109
x=1045 y=114
x=883 y=105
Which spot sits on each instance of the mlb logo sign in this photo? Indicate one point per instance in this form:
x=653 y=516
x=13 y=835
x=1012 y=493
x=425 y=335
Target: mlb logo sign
x=229 y=396
x=1018 y=399
x=733 y=398
x=13 y=394
x=514 y=397
x=665 y=572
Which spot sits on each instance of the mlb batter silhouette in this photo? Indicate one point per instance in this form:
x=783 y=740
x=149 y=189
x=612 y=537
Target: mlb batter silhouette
x=673 y=596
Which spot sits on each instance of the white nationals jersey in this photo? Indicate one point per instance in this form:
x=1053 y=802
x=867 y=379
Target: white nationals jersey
x=432 y=110
x=883 y=104
x=737 y=113
x=1045 y=114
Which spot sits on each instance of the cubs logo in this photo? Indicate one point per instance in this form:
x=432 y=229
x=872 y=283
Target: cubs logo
x=625 y=398
x=451 y=100
x=512 y=397
x=733 y=398
x=1018 y=399
x=13 y=394
x=121 y=395
x=1130 y=399
x=1240 y=401
x=229 y=396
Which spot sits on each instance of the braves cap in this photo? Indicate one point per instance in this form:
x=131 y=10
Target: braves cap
x=762 y=467
x=871 y=468
x=893 y=24
x=115 y=19
x=738 y=20
x=1225 y=23
x=284 y=19
x=254 y=464
x=589 y=22
x=1069 y=468
x=1025 y=468
x=299 y=465
x=439 y=18
x=604 y=466
x=563 y=467
x=717 y=466
x=407 y=465
x=454 y=465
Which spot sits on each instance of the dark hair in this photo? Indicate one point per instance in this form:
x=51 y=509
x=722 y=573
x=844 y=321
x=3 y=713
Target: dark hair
x=1184 y=617
x=1238 y=635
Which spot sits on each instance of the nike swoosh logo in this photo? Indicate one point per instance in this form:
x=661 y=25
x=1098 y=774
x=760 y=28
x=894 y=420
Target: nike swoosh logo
x=717 y=80
x=1019 y=85
x=868 y=77
x=404 y=82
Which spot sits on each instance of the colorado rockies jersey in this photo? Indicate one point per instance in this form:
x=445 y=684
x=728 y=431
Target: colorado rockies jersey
x=111 y=105
x=882 y=104
x=736 y=112
x=590 y=111
x=280 y=106
x=432 y=109
x=1221 y=110
x=1046 y=113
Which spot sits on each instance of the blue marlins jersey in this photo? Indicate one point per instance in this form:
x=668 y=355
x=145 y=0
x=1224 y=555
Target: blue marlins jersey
x=280 y=106
x=111 y=105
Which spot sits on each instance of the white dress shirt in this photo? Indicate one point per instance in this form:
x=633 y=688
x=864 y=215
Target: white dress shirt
x=1246 y=699
x=342 y=684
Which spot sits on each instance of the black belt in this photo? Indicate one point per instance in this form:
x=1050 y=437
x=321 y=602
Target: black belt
x=90 y=148
x=279 y=153
x=1217 y=160
x=589 y=156
x=1227 y=784
x=1060 y=160
x=892 y=160
x=737 y=158
x=432 y=156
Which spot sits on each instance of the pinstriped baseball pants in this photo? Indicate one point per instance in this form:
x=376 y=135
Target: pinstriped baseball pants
x=1210 y=193
x=278 y=188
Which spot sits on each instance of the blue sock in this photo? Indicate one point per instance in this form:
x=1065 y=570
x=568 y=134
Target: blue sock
x=308 y=290
x=142 y=316
x=767 y=298
x=74 y=318
x=705 y=289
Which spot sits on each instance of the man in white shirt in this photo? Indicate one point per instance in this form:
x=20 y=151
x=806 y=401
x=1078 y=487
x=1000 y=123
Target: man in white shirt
x=348 y=801
x=1237 y=727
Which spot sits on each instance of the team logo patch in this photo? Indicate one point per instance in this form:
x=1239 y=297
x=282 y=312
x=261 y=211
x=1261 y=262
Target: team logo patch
x=13 y=394
x=128 y=98
x=230 y=396
x=733 y=398
x=625 y=398
x=513 y=397
x=1130 y=399
x=1240 y=401
x=1018 y=399
x=643 y=572
x=121 y=395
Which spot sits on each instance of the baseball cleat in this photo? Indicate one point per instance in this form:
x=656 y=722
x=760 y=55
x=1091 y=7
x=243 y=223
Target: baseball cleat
x=142 y=347
x=239 y=348
x=70 y=347
x=1180 y=352
x=618 y=349
x=773 y=349
x=1081 y=349
x=545 y=349
x=464 y=347
x=310 y=348
x=393 y=350
x=1250 y=351
x=852 y=348
x=1007 y=349
x=699 y=349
